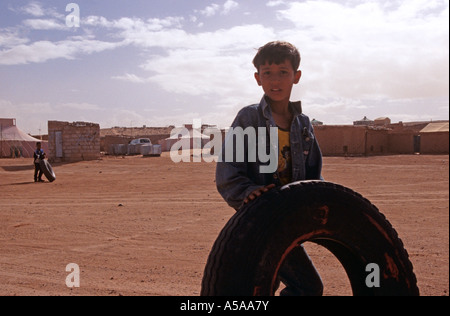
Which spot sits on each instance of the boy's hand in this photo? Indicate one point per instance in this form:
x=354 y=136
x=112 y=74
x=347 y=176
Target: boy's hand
x=258 y=193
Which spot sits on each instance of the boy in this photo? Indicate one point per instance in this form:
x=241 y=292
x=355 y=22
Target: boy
x=39 y=154
x=299 y=155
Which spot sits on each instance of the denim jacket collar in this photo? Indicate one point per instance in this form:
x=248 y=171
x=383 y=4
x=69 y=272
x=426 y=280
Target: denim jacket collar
x=296 y=108
x=236 y=180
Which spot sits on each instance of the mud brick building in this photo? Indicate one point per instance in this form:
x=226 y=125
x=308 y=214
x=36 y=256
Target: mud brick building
x=434 y=138
x=384 y=138
x=72 y=142
x=360 y=140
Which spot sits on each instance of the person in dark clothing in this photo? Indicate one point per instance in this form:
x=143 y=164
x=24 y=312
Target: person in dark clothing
x=39 y=154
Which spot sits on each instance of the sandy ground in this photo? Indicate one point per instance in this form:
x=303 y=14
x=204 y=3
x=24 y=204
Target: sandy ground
x=145 y=226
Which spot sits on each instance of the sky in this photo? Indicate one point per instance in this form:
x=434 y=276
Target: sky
x=169 y=62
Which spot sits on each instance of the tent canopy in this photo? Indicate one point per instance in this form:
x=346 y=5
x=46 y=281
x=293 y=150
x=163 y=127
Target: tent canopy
x=12 y=133
x=436 y=127
x=16 y=143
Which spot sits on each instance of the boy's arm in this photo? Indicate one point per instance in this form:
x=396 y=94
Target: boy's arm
x=234 y=184
x=232 y=178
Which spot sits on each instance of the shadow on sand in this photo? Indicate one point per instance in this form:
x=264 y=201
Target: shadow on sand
x=18 y=168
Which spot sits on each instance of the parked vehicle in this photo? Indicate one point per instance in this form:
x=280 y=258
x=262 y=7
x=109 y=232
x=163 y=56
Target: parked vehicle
x=142 y=141
x=144 y=146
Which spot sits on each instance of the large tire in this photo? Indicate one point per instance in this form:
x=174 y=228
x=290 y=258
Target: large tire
x=47 y=170
x=247 y=256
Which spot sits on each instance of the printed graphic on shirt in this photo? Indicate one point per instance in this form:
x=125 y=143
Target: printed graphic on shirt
x=284 y=157
x=38 y=155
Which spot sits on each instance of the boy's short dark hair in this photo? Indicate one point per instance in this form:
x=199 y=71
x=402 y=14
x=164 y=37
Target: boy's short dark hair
x=277 y=52
x=38 y=143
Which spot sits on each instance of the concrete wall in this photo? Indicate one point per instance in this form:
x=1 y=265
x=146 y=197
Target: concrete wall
x=434 y=143
x=80 y=141
x=401 y=143
x=377 y=142
x=342 y=140
x=107 y=143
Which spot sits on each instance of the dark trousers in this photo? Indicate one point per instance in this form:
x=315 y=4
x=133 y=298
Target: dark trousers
x=37 y=172
x=299 y=275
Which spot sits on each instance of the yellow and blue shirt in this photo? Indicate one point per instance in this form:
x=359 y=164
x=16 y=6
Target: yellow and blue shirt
x=284 y=156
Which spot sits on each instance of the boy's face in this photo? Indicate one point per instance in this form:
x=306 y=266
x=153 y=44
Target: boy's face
x=277 y=81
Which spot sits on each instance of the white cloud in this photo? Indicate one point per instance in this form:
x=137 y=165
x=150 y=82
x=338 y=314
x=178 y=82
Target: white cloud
x=210 y=10
x=356 y=56
x=94 y=20
x=369 y=51
x=275 y=3
x=199 y=72
x=167 y=22
x=215 y=8
x=139 y=25
x=36 y=9
x=130 y=78
x=36 y=52
x=168 y=34
x=229 y=6
x=224 y=68
x=10 y=38
x=43 y=51
x=30 y=116
x=345 y=54
x=44 y=24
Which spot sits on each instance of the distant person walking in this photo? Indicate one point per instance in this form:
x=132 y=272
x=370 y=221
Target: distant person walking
x=39 y=155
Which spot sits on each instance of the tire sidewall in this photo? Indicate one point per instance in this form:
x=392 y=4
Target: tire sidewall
x=271 y=226
x=47 y=170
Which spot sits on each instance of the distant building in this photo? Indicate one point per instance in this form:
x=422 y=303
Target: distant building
x=364 y=122
x=315 y=122
x=403 y=139
x=72 y=142
x=348 y=140
x=434 y=138
x=382 y=121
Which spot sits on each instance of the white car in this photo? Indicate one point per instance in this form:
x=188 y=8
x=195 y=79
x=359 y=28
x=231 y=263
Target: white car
x=141 y=141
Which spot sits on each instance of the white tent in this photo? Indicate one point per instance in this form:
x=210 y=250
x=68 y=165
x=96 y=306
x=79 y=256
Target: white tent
x=16 y=143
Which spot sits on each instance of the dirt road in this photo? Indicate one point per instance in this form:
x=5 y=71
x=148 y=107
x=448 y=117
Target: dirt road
x=145 y=226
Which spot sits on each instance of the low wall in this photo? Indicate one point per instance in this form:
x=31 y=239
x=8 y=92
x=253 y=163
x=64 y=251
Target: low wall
x=335 y=140
x=71 y=142
x=434 y=143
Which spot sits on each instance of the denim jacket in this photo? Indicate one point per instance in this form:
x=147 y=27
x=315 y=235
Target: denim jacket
x=236 y=180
